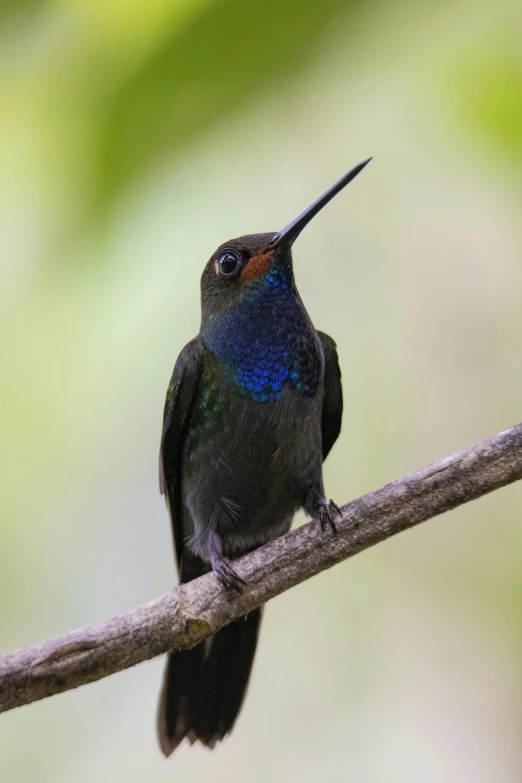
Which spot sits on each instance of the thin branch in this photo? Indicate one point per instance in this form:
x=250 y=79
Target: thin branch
x=187 y=614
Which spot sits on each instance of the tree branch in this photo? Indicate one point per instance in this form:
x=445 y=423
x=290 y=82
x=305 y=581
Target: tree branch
x=188 y=613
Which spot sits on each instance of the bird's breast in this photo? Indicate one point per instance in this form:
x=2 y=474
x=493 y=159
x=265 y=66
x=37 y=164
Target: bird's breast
x=247 y=463
x=253 y=445
x=267 y=343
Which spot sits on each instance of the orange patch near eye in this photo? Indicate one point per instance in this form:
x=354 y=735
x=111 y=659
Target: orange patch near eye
x=258 y=265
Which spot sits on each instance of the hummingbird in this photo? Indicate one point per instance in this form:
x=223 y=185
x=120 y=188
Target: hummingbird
x=252 y=410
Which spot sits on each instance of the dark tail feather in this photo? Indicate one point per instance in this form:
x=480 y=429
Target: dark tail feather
x=204 y=687
x=225 y=676
x=178 y=697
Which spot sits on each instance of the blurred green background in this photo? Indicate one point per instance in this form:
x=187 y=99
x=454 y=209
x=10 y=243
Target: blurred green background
x=134 y=138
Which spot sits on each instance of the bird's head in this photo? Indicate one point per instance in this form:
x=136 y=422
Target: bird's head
x=241 y=265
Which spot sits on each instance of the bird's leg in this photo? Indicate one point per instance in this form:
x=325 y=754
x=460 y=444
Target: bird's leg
x=317 y=504
x=222 y=567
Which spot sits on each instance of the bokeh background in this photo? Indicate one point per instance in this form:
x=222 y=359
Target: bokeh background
x=134 y=138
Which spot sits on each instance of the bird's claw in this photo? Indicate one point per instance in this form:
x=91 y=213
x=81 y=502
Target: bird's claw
x=326 y=515
x=224 y=572
x=335 y=507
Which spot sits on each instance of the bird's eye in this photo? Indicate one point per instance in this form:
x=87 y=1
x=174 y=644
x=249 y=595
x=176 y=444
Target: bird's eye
x=228 y=263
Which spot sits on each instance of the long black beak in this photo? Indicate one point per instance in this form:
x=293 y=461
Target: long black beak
x=290 y=233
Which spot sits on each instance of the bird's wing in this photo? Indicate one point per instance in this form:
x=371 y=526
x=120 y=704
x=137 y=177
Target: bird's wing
x=178 y=404
x=332 y=412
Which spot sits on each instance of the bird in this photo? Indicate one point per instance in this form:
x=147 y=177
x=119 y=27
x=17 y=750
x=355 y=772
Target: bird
x=252 y=410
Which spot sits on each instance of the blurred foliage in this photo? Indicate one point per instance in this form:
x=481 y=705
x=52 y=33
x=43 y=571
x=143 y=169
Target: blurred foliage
x=128 y=83
x=227 y=56
x=136 y=136
x=16 y=10
x=485 y=81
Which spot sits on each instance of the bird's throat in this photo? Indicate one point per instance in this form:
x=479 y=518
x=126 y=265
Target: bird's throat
x=267 y=342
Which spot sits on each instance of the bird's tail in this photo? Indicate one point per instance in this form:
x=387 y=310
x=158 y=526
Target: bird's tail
x=204 y=688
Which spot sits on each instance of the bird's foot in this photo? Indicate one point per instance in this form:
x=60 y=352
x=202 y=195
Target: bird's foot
x=326 y=515
x=222 y=568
